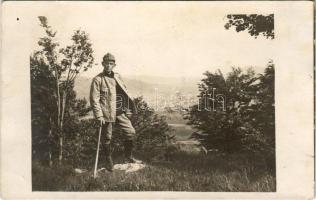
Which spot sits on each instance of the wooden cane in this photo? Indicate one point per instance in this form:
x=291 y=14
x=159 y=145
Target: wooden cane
x=97 y=156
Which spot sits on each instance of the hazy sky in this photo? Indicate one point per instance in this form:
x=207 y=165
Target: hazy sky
x=158 y=38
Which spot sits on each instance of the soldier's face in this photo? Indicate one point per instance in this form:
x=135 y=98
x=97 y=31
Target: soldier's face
x=108 y=65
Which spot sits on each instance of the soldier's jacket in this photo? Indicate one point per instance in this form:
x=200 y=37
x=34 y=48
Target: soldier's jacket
x=103 y=96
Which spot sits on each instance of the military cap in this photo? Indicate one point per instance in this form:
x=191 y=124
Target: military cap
x=108 y=57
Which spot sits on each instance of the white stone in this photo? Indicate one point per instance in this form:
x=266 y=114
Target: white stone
x=130 y=167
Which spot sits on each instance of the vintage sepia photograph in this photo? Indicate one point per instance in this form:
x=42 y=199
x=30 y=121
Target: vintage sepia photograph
x=144 y=101
x=157 y=100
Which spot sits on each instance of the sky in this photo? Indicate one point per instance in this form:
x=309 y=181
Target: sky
x=182 y=39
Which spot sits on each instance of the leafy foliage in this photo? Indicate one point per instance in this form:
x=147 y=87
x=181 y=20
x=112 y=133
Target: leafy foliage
x=247 y=122
x=53 y=72
x=44 y=112
x=152 y=137
x=153 y=131
x=42 y=108
x=254 y=24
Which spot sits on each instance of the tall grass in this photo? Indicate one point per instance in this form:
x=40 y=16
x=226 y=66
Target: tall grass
x=185 y=172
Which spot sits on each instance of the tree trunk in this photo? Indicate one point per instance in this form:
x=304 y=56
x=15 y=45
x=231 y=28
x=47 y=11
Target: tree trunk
x=61 y=124
x=63 y=107
x=50 y=161
x=59 y=131
x=60 y=157
x=50 y=138
x=50 y=157
x=58 y=98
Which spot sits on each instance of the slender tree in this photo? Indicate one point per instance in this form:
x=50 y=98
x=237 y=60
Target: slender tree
x=64 y=64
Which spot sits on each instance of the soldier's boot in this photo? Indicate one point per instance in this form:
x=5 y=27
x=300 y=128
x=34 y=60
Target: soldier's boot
x=128 y=147
x=108 y=158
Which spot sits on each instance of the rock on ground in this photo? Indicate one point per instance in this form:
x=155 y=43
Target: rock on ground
x=129 y=167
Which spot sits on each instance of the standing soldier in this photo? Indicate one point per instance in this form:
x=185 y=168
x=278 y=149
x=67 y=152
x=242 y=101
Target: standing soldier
x=113 y=105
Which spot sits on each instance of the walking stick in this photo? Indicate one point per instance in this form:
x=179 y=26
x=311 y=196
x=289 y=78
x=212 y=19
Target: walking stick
x=97 y=156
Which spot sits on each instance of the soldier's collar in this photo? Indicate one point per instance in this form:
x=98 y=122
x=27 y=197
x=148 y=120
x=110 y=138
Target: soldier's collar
x=111 y=75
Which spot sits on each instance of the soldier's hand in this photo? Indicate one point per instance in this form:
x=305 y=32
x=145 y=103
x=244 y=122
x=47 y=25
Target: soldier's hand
x=128 y=114
x=101 y=120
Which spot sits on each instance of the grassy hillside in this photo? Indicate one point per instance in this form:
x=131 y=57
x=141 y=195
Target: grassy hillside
x=185 y=169
x=185 y=172
x=178 y=125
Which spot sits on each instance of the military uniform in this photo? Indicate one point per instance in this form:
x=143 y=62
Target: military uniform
x=111 y=101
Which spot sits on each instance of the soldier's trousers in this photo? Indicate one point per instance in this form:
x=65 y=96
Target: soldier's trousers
x=123 y=123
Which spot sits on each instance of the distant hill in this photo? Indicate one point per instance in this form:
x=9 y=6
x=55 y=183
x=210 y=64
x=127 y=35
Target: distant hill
x=157 y=91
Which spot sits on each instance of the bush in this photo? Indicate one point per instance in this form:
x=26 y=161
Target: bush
x=242 y=118
x=152 y=137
